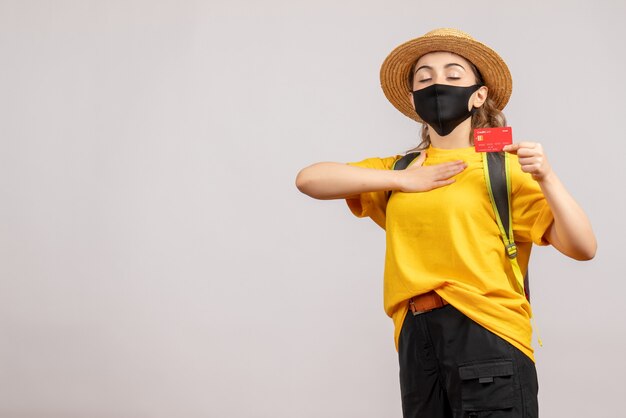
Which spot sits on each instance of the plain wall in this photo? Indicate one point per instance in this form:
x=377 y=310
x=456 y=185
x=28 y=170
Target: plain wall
x=156 y=258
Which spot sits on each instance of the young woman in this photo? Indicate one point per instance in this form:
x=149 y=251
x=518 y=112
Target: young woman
x=462 y=329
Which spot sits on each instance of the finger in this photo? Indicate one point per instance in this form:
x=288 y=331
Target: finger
x=531 y=168
x=527 y=152
x=528 y=160
x=439 y=168
x=449 y=172
x=451 y=164
x=527 y=148
x=511 y=148
x=441 y=183
x=527 y=144
x=452 y=168
x=530 y=152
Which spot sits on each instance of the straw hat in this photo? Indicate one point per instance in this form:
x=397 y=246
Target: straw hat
x=394 y=73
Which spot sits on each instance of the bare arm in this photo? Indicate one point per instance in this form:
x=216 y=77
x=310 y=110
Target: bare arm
x=331 y=180
x=571 y=231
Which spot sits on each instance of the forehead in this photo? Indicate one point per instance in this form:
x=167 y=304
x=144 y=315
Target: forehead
x=439 y=58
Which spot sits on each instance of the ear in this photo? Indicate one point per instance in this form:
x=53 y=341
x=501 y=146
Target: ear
x=479 y=97
x=411 y=99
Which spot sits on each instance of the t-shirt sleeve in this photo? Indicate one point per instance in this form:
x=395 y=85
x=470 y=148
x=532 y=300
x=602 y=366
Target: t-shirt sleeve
x=372 y=204
x=531 y=213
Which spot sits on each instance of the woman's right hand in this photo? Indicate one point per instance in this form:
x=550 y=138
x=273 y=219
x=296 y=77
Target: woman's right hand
x=419 y=178
x=331 y=180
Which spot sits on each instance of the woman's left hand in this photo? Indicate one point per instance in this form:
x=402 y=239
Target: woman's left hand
x=531 y=158
x=571 y=232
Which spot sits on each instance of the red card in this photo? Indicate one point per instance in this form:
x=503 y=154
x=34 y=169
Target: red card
x=492 y=139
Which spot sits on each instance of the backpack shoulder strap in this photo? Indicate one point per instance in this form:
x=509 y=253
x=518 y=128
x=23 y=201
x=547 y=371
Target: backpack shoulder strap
x=498 y=179
x=404 y=161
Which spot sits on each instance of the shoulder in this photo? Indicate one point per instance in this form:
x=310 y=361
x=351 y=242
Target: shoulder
x=381 y=163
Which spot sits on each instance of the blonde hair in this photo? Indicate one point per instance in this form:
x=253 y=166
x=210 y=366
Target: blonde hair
x=486 y=116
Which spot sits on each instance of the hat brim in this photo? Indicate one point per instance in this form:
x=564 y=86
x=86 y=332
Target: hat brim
x=395 y=70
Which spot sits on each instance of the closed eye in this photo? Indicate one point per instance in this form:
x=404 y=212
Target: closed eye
x=450 y=78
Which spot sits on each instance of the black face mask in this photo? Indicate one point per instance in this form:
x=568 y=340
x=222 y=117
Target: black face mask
x=444 y=107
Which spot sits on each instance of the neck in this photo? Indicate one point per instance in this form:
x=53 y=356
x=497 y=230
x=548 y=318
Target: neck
x=458 y=138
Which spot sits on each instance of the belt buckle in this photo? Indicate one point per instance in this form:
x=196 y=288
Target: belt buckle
x=415 y=313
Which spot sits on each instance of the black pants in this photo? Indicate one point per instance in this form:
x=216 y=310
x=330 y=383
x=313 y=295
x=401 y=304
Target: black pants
x=451 y=367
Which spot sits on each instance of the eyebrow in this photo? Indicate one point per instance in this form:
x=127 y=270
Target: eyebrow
x=445 y=66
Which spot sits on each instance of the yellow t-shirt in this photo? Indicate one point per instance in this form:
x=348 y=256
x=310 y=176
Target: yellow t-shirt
x=447 y=240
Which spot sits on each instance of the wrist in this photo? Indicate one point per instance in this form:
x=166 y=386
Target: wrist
x=547 y=176
x=395 y=180
x=547 y=179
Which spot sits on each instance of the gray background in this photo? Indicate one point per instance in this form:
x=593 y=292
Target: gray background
x=156 y=259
